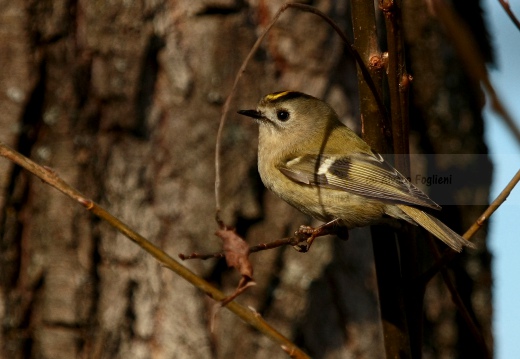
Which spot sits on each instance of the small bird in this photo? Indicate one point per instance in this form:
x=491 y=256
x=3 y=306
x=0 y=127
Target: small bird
x=318 y=165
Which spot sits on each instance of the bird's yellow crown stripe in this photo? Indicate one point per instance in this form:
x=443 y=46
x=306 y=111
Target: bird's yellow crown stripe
x=285 y=96
x=276 y=95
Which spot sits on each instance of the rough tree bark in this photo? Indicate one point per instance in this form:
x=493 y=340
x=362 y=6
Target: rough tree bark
x=122 y=99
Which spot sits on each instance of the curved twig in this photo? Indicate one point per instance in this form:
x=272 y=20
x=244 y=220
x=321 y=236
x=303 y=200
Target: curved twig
x=225 y=109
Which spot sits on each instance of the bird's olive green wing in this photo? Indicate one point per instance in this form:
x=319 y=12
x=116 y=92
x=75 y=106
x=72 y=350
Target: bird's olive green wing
x=362 y=174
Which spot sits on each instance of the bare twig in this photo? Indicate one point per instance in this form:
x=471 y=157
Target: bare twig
x=237 y=253
x=449 y=254
x=51 y=178
x=288 y=241
x=201 y=256
x=243 y=284
x=468 y=52
x=501 y=198
x=459 y=303
x=507 y=8
x=225 y=108
x=352 y=51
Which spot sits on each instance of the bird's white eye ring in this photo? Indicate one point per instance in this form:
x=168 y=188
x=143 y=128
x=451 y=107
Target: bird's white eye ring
x=283 y=115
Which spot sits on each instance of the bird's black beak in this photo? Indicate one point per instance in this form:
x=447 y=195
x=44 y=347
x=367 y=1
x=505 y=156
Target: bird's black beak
x=252 y=113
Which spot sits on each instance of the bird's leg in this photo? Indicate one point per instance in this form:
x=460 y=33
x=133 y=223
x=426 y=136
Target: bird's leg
x=308 y=234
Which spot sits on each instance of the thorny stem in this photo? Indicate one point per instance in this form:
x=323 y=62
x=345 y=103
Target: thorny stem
x=51 y=178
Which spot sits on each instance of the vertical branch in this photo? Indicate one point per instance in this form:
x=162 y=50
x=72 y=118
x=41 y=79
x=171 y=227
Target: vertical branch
x=398 y=84
x=377 y=131
x=467 y=50
x=375 y=125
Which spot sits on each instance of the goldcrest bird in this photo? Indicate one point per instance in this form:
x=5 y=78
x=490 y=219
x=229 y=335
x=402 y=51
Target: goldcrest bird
x=311 y=160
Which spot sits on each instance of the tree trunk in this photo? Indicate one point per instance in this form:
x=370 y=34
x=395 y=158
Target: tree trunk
x=122 y=100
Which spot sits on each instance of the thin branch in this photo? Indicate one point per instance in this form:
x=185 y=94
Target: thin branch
x=501 y=198
x=467 y=49
x=288 y=241
x=459 y=303
x=443 y=260
x=397 y=76
x=449 y=254
x=507 y=8
x=303 y=234
x=366 y=42
x=51 y=178
x=377 y=131
x=225 y=108
x=409 y=249
x=352 y=51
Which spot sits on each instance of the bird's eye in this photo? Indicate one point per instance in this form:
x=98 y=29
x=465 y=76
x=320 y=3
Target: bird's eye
x=283 y=115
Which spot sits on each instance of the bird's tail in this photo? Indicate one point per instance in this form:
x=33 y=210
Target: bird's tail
x=436 y=227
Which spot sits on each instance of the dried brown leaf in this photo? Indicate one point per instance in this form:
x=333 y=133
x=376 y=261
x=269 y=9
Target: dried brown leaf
x=236 y=251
